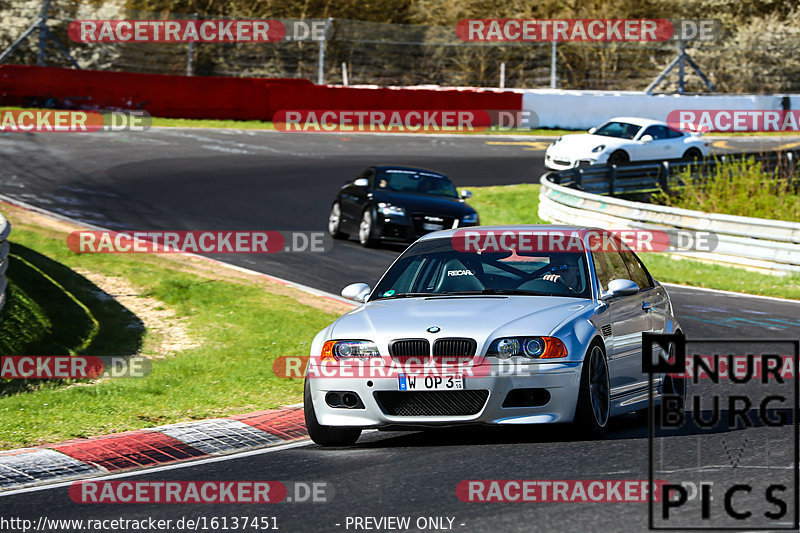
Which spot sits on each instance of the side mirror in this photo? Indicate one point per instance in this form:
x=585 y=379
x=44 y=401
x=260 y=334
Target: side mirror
x=358 y=292
x=465 y=194
x=619 y=287
x=592 y=130
x=361 y=182
x=646 y=138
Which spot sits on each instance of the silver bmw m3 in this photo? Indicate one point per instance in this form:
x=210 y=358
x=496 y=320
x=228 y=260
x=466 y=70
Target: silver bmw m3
x=492 y=325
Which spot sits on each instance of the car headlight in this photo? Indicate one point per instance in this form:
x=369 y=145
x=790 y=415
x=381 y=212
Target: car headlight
x=470 y=218
x=391 y=210
x=528 y=347
x=599 y=148
x=349 y=349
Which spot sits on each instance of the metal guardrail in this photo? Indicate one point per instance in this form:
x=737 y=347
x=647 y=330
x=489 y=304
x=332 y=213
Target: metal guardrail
x=5 y=229
x=658 y=175
x=771 y=246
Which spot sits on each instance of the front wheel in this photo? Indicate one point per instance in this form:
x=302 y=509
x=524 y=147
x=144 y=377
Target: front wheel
x=365 y=230
x=594 y=397
x=325 y=435
x=618 y=158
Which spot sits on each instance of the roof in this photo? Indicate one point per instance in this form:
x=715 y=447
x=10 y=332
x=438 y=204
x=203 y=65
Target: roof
x=639 y=121
x=446 y=234
x=403 y=167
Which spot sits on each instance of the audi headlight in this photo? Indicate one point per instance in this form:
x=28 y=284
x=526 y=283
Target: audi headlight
x=391 y=210
x=599 y=148
x=349 y=349
x=470 y=218
x=528 y=347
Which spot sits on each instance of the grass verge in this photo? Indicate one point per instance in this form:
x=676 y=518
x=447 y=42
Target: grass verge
x=239 y=324
x=519 y=204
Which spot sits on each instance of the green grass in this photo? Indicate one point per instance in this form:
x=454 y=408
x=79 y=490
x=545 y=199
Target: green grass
x=519 y=204
x=241 y=327
x=739 y=187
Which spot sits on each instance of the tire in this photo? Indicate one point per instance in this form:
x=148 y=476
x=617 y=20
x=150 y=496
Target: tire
x=325 y=435
x=594 y=398
x=365 y=229
x=692 y=154
x=618 y=158
x=335 y=221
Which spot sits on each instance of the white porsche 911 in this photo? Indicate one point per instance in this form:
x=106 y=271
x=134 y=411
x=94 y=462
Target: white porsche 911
x=481 y=334
x=622 y=140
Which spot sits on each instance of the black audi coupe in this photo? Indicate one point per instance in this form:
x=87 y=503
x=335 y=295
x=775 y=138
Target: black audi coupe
x=400 y=204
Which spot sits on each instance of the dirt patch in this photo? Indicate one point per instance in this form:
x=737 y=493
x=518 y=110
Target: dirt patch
x=167 y=333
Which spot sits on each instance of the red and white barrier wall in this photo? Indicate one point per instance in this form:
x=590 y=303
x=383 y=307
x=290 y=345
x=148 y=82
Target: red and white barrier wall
x=224 y=98
x=260 y=98
x=581 y=110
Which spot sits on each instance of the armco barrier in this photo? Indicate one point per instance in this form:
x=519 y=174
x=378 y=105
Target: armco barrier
x=653 y=176
x=5 y=229
x=772 y=246
x=222 y=98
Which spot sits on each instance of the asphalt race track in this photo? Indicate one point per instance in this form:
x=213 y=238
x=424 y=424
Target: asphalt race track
x=185 y=179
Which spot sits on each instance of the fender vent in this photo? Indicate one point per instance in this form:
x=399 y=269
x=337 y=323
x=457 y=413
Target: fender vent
x=606 y=330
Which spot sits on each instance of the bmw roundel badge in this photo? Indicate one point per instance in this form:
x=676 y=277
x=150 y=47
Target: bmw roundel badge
x=434 y=329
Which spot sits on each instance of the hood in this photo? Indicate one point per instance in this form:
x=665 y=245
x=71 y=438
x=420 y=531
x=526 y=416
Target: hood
x=481 y=317
x=424 y=203
x=585 y=142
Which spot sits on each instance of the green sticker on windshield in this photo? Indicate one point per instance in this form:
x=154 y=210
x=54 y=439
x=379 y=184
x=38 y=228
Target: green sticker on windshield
x=389 y=292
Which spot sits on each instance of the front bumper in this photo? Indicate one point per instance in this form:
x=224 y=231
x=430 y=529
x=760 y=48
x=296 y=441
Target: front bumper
x=405 y=229
x=560 y=380
x=562 y=162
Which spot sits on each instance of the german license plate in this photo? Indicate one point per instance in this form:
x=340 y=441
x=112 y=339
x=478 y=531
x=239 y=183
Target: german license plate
x=432 y=227
x=445 y=382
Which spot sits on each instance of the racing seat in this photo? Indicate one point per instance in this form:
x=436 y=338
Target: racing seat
x=457 y=277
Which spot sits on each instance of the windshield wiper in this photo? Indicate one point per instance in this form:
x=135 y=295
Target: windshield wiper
x=406 y=295
x=512 y=292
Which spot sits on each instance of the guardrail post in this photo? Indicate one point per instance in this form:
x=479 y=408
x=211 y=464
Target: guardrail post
x=612 y=177
x=663 y=175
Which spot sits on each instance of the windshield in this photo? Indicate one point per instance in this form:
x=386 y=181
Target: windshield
x=623 y=130
x=414 y=181
x=434 y=267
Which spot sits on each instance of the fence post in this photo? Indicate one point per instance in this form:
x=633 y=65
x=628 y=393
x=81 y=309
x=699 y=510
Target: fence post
x=502 y=75
x=612 y=177
x=190 y=54
x=553 y=65
x=345 y=81
x=321 y=66
x=663 y=174
x=43 y=33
